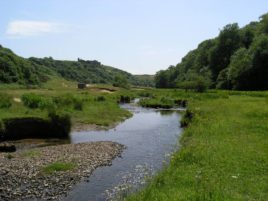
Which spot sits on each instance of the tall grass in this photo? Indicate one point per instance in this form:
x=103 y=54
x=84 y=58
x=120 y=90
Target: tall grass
x=5 y=100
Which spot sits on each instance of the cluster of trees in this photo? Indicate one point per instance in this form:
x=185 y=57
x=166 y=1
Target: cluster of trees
x=236 y=59
x=35 y=71
x=15 y=69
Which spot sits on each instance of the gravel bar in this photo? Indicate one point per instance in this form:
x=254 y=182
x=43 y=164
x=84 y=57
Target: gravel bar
x=22 y=175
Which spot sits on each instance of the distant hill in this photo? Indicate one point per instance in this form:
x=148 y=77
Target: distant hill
x=236 y=59
x=35 y=71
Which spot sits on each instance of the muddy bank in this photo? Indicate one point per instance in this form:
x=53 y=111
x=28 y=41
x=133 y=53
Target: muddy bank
x=33 y=127
x=22 y=175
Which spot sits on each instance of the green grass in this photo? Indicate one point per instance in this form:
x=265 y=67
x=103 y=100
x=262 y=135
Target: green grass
x=31 y=153
x=63 y=96
x=223 y=153
x=58 y=166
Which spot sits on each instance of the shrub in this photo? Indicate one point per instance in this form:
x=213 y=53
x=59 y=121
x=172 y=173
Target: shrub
x=68 y=100
x=78 y=104
x=63 y=121
x=5 y=101
x=198 y=85
x=56 y=126
x=163 y=102
x=146 y=94
x=64 y=100
x=100 y=98
x=35 y=101
x=124 y=99
x=187 y=118
x=121 y=81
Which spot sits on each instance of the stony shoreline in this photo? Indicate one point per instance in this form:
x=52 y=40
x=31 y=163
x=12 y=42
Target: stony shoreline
x=22 y=176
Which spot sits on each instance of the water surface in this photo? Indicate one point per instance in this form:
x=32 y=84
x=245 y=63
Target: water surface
x=149 y=136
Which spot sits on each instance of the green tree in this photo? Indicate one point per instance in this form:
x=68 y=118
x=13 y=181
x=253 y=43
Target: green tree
x=239 y=69
x=259 y=71
x=121 y=81
x=227 y=43
x=161 y=79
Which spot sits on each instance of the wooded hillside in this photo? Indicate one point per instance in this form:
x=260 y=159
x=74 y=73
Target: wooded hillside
x=236 y=59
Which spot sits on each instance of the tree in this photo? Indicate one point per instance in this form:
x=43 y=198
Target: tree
x=121 y=81
x=264 y=24
x=161 y=79
x=259 y=71
x=227 y=43
x=223 y=81
x=239 y=69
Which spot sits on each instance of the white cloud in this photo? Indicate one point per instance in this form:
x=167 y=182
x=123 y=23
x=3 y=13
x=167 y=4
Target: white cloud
x=22 y=28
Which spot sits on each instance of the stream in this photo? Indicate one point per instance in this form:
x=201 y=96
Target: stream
x=150 y=136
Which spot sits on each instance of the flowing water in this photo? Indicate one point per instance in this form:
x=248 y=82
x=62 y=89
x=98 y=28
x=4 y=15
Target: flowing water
x=149 y=136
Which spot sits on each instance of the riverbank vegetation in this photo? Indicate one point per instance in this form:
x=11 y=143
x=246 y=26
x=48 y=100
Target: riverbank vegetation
x=223 y=154
x=64 y=97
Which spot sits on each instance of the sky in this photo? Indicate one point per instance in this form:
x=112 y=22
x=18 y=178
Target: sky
x=139 y=36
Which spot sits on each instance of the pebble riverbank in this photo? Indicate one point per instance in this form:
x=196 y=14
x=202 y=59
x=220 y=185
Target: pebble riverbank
x=22 y=176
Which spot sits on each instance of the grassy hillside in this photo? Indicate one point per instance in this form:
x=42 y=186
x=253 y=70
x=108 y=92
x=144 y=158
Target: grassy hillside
x=35 y=71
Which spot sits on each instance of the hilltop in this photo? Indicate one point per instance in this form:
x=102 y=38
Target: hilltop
x=35 y=71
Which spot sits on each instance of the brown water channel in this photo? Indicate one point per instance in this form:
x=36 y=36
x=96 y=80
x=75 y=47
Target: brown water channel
x=149 y=136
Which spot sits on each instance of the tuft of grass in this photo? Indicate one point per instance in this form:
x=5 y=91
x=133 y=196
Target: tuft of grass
x=58 y=166
x=31 y=153
x=9 y=156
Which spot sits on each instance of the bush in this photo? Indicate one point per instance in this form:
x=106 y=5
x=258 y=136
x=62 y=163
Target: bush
x=121 y=81
x=68 y=100
x=187 y=118
x=198 y=85
x=5 y=101
x=146 y=94
x=124 y=99
x=100 y=98
x=35 y=101
x=163 y=102
x=78 y=104
x=64 y=100
x=62 y=121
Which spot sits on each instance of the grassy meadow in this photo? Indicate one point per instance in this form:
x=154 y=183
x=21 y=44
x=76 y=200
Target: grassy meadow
x=223 y=154
x=223 y=150
x=88 y=106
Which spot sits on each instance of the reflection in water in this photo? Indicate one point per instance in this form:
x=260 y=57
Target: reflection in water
x=165 y=112
x=149 y=136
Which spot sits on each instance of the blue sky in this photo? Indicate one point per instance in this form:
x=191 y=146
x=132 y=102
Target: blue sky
x=139 y=36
